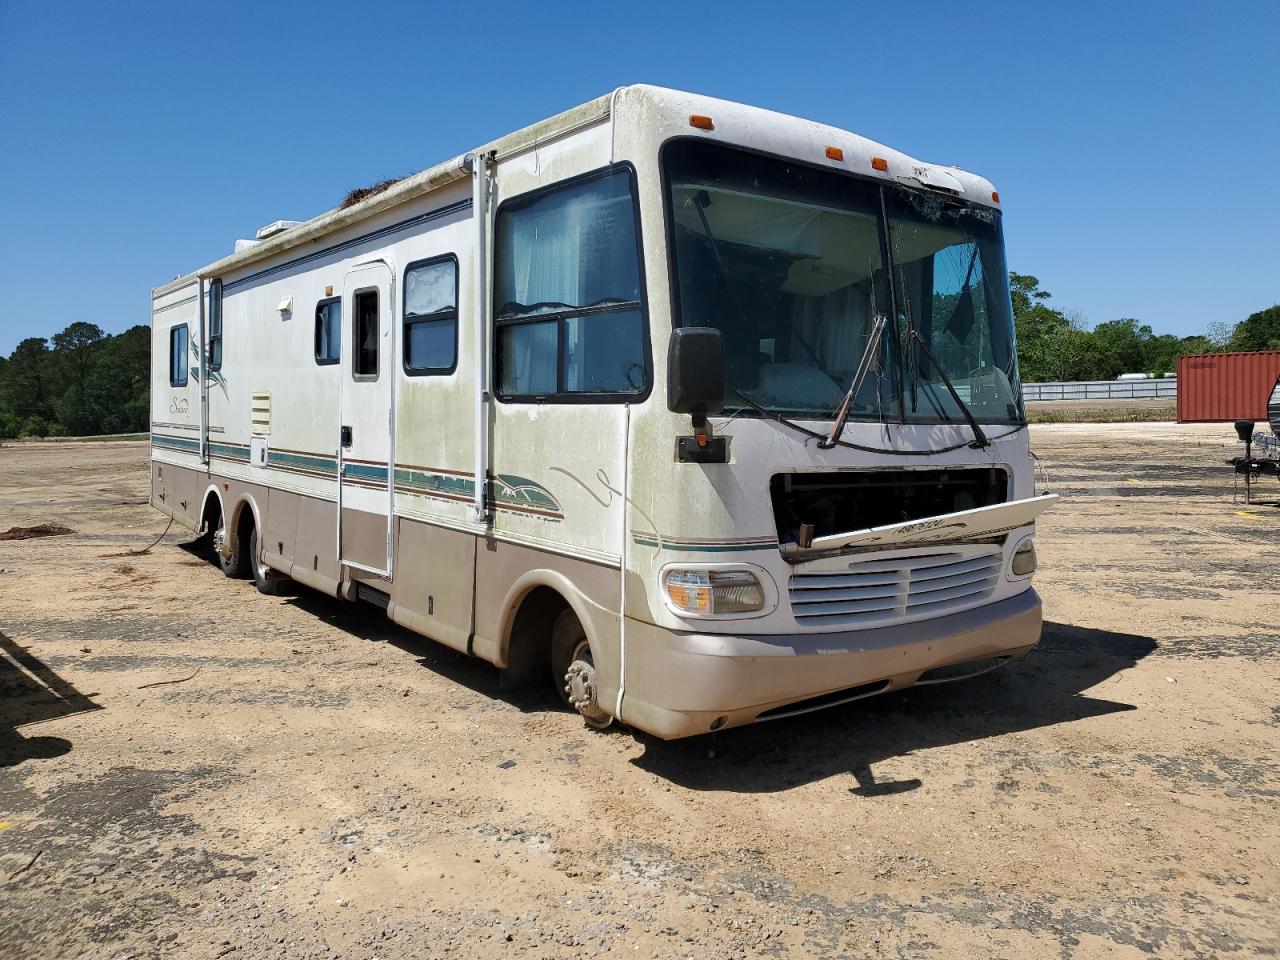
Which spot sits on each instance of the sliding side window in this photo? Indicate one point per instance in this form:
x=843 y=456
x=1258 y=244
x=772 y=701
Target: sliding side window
x=329 y=331
x=568 y=293
x=178 y=355
x=365 y=330
x=215 y=325
x=431 y=316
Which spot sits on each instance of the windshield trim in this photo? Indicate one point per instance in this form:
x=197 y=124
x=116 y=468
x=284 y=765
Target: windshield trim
x=673 y=291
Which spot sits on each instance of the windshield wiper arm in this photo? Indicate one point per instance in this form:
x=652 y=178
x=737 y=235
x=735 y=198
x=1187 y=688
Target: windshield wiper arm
x=864 y=365
x=980 y=439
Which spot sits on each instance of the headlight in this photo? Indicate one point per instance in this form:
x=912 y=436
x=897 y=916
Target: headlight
x=1024 y=558
x=712 y=592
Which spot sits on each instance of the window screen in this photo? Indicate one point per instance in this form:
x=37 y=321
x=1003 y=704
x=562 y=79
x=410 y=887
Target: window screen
x=365 y=355
x=178 y=356
x=215 y=325
x=329 y=331
x=431 y=316
x=569 y=308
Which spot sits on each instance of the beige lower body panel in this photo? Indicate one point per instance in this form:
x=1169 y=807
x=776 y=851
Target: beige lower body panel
x=176 y=491
x=681 y=684
x=434 y=579
x=451 y=585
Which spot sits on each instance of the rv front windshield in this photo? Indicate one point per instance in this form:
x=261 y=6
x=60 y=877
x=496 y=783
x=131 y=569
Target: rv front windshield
x=793 y=263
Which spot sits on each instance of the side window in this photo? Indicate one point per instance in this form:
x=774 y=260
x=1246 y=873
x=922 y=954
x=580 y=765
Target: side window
x=215 y=325
x=431 y=316
x=178 y=355
x=568 y=300
x=365 y=335
x=329 y=331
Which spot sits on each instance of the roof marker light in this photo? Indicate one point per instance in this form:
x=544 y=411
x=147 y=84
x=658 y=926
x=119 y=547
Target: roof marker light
x=835 y=153
x=701 y=122
x=995 y=196
x=880 y=163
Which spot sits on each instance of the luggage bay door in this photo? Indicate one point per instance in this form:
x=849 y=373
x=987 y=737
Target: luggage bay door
x=366 y=411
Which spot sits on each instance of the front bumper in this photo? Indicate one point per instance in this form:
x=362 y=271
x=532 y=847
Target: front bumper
x=681 y=684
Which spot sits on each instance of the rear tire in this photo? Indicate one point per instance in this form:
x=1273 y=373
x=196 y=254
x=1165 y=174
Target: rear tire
x=573 y=671
x=235 y=564
x=267 y=581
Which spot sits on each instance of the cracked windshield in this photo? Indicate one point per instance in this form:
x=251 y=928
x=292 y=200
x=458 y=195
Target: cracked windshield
x=790 y=264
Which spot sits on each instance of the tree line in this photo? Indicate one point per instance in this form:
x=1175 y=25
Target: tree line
x=1057 y=345
x=82 y=382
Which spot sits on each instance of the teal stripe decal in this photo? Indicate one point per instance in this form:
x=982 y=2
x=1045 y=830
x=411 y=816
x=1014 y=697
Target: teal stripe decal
x=648 y=540
x=507 y=491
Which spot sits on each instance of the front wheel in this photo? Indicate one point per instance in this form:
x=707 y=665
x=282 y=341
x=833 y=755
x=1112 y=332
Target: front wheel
x=573 y=671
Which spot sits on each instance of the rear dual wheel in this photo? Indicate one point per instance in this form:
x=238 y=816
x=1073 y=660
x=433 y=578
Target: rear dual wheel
x=267 y=581
x=243 y=561
x=235 y=561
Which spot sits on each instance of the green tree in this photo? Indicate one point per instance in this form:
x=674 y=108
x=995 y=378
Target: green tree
x=74 y=350
x=24 y=391
x=1258 y=331
x=118 y=386
x=1050 y=344
x=1120 y=347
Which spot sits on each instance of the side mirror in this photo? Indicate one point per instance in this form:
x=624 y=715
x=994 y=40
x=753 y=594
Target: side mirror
x=1244 y=430
x=695 y=371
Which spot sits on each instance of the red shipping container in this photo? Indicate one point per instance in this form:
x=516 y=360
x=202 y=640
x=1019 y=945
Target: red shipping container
x=1221 y=387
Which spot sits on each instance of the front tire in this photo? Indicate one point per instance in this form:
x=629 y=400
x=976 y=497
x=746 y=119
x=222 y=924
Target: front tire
x=574 y=672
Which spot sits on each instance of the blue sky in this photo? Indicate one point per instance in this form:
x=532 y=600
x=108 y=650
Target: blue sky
x=1135 y=145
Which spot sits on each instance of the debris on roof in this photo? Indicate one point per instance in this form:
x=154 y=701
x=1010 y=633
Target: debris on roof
x=359 y=193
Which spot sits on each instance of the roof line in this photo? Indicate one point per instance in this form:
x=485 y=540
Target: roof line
x=426 y=181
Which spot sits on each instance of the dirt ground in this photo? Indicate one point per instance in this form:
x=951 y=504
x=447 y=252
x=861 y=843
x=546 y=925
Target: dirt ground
x=1101 y=411
x=191 y=769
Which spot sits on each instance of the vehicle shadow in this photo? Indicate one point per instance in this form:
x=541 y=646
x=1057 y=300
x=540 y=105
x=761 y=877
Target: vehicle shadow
x=30 y=692
x=370 y=623
x=1045 y=689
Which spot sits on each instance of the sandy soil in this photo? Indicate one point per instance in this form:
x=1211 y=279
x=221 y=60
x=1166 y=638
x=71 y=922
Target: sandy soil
x=322 y=784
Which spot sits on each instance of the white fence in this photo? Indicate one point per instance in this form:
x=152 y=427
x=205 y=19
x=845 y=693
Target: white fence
x=1102 y=390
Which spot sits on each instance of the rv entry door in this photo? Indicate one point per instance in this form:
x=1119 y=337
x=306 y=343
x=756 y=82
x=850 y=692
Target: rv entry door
x=366 y=431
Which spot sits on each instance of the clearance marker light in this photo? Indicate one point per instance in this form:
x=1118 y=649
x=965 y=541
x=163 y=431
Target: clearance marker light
x=835 y=153
x=880 y=163
x=701 y=122
x=995 y=195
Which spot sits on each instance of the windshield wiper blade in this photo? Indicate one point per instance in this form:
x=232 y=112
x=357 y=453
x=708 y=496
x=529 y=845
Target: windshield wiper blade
x=980 y=439
x=864 y=365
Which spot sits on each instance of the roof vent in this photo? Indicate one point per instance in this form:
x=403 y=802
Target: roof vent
x=279 y=226
x=246 y=244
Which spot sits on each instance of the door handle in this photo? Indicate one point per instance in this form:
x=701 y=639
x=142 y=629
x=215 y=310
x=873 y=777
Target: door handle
x=345 y=436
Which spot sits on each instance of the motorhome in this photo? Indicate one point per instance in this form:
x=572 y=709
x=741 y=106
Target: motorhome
x=708 y=414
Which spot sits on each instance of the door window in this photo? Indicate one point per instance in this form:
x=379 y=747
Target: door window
x=364 y=355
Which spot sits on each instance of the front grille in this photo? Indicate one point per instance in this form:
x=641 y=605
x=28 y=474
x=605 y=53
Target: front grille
x=879 y=591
